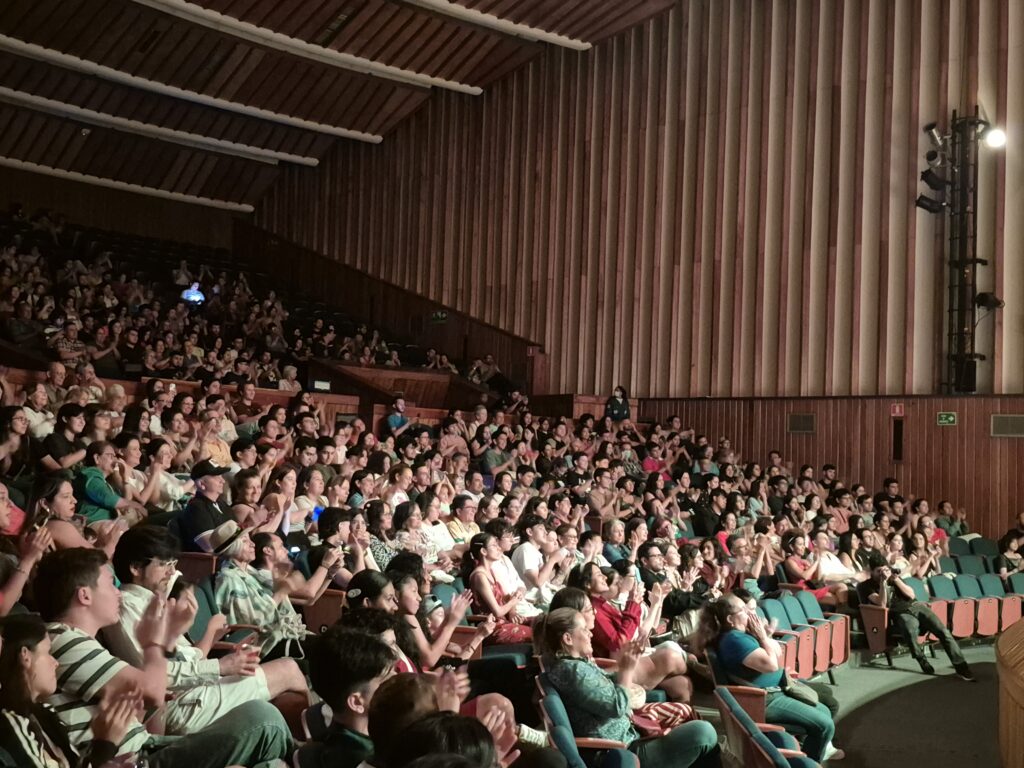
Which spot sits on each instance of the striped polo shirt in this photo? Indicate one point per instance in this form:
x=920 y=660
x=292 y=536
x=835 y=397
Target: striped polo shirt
x=84 y=667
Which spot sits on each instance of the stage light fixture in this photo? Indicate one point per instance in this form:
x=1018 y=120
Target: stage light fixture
x=995 y=138
x=988 y=301
x=928 y=204
x=934 y=180
x=931 y=129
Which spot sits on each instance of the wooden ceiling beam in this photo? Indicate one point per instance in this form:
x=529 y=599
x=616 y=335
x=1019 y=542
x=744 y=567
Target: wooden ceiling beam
x=150 y=130
x=497 y=24
x=67 y=61
x=124 y=186
x=243 y=30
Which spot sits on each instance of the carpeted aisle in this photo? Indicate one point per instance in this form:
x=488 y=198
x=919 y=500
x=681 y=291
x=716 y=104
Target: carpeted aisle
x=902 y=719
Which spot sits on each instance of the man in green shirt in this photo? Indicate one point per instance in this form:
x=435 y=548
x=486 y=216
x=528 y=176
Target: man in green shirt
x=346 y=667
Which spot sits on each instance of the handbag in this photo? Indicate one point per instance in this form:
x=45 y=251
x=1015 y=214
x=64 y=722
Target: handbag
x=797 y=690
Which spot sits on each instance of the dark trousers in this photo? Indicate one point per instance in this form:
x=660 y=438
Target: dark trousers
x=920 y=618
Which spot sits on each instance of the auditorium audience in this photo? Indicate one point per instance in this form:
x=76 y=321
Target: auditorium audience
x=594 y=536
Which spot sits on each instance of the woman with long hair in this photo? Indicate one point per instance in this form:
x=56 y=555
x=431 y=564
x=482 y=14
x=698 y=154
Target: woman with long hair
x=54 y=509
x=599 y=706
x=31 y=734
x=745 y=649
x=488 y=597
x=380 y=523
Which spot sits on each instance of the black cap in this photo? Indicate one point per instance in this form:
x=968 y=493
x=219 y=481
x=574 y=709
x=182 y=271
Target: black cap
x=205 y=468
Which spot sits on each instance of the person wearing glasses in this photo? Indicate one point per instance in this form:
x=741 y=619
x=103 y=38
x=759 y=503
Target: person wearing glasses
x=204 y=689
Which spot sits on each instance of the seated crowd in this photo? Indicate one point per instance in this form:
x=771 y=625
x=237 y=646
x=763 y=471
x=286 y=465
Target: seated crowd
x=603 y=547
x=604 y=555
x=94 y=312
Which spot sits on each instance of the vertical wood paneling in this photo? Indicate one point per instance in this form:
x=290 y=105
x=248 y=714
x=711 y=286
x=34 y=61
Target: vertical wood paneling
x=717 y=202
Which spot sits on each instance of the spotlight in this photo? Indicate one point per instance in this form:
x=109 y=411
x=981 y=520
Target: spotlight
x=994 y=137
x=988 y=301
x=932 y=130
x=933 y=180
x=932 y=206
x=935 y=158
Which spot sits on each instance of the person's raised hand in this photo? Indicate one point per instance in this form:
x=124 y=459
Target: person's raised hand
x=181 y=615
x=331 y=556
x=460 y=604
x=504 y=735
x=152 y=627
x=450 y=689
x=34 y=546
x=116 y=715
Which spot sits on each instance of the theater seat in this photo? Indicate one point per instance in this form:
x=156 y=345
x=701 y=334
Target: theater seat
x=1009 y=605
x=840 y=626
x=961 y=619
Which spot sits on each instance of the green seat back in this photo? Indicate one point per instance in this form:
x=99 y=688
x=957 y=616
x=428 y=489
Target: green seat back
x=920 y=590
x=972 y=565
x=967 y=586
x=773 y=610
x=985 y=547
x=959 y=546
x=942 y=587
x=991 y=585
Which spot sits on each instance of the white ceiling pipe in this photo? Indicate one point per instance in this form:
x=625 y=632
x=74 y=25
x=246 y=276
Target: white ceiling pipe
x=498 y=24
x=66 y=60
x=194 y=140
x=228 y=25
x=124 y=186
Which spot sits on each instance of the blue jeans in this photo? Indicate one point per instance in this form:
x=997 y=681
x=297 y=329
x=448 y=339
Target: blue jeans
x=690 y=744
x=816 y=721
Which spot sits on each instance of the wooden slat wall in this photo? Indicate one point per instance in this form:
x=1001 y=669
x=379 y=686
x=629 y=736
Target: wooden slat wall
x=386 y=306
x=963 y=464
x=719 y=202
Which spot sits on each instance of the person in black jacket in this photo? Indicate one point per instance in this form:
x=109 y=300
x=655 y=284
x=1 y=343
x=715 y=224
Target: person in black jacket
x=652 y=570
x=31 y=733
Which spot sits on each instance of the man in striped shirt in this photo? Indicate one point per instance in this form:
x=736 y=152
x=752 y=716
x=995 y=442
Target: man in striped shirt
x=75 y=591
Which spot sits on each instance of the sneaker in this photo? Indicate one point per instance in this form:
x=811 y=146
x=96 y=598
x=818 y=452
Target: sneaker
x=832 y=754
x=927 y=668
x=531 y=736
x=964 y=673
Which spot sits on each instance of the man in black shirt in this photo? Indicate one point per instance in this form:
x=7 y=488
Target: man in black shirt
x=203 y=512
x=911 y=617
x=677 y=601
x=889 y=494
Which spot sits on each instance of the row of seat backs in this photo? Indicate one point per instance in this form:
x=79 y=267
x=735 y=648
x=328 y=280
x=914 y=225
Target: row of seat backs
x=814 y=642
x=978 y=545
x=757 y=745
x=973 y=565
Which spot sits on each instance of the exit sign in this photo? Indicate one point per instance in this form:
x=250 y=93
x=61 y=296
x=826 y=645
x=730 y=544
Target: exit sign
x=946 y=418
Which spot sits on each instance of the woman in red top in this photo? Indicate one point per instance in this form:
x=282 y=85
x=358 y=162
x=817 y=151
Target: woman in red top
x=663 y=668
